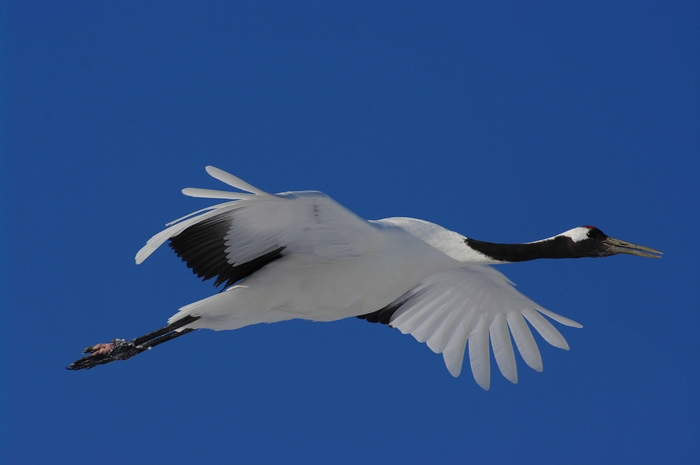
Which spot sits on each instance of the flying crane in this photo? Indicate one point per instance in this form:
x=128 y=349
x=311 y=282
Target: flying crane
x=301 y=255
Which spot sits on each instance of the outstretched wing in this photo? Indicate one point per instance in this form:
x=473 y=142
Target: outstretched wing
x=473 y=304
x=232 y=240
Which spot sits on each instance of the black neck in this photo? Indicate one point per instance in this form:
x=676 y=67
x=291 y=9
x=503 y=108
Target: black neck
x=557 y=247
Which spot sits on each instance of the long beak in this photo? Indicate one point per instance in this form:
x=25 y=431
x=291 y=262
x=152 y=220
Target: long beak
x=617 y=246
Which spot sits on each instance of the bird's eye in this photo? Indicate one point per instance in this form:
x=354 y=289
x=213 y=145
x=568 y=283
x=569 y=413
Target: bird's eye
x=595 y=233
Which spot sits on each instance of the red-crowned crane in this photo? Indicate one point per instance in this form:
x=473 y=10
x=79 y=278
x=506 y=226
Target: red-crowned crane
x=302 y=255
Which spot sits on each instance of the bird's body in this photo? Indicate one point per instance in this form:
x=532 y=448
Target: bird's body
x=316 y=287
x=302 y=255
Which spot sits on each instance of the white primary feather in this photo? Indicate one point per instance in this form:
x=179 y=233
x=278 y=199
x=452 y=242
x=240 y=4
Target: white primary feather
x=479 y=353
x=524 y=341
x=456 y=296
x=234 y=181
x=214 y=194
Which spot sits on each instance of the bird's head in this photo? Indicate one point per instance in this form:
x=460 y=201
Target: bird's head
x=589 y=241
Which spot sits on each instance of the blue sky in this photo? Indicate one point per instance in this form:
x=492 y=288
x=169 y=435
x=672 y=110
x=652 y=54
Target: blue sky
x=509 y=122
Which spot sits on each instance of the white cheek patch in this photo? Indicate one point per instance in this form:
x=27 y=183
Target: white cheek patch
x=577 y=234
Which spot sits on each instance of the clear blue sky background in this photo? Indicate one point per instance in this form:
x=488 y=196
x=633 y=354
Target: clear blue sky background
x=508 y=122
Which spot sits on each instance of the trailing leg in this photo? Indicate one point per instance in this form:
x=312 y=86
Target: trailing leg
x=119 y=349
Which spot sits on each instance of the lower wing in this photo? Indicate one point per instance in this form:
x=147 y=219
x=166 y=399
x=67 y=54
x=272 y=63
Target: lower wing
x=474 y=304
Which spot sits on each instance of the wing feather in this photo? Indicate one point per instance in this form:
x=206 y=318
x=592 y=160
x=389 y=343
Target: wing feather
x=560 y=319
x=411 y=320
x=545 y=328
x=214 y=194
x=456 y=345
x=502 y=348
x=476 y=305
x=176 y=228
x=457 y=342
x=437 y=342
x=524 y=340
x=479 y=353
x=428 y=327
x=232 y=240
x=233 y=181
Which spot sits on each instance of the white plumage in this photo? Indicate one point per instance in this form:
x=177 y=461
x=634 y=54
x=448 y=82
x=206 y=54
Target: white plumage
x=326 y=264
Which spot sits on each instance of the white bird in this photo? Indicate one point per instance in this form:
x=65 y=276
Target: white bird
x=302 y=255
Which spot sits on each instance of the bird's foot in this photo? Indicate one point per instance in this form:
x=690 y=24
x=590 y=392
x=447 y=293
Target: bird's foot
x=102 y=353
x=98 y=349
x=119 y=349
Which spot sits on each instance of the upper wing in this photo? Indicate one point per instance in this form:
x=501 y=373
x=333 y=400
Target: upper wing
x=472 y=304
x=232 y=240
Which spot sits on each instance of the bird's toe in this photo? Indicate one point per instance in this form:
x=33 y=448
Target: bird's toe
x=97 y=349
x=103 y=353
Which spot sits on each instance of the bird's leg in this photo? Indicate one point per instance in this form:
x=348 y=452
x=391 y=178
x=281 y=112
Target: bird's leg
x=119 y=349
